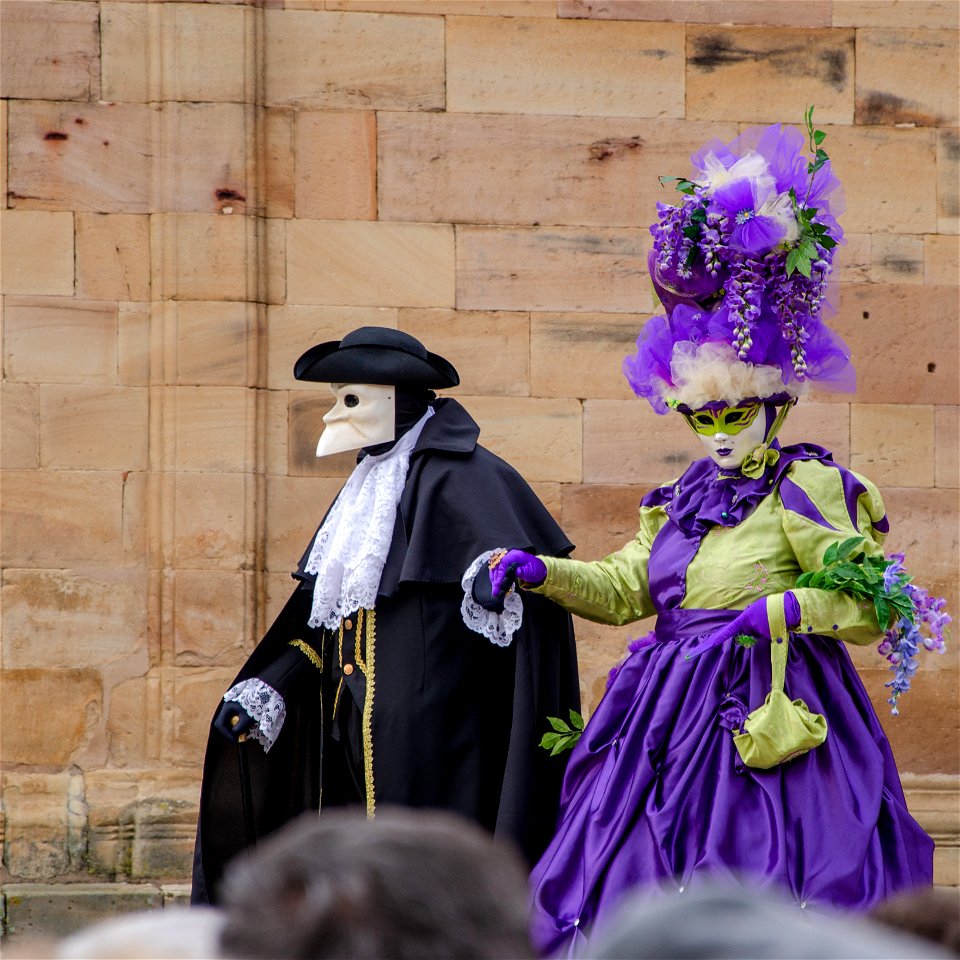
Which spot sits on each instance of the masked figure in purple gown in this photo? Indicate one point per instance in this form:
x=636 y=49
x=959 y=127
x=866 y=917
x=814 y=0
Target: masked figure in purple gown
x=736 y=740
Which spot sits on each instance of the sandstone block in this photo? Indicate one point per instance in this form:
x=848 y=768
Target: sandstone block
x=581 y=354
x=902 y=76
x=93 y=427
x=27 y=233
x=563 y=67
x=209 y=526
x=50 y=50
x=202 y=257
x=896 y=259
x=214 y=429
x=540 y=438
x=531 y=170
x=50 y=615
x=113 y=256
x=197 y=695
x=211 y=618
x=726 y=66
x=854 y=263
x=85 y=335
x=3 y=147
x=336 y=169
x=272 y=282
x=133 y=730
x=278 y=162
x=600 y=518
x=624 y=441
x=96 y=156
x=923 y=526
x=550 y=495
x=275 y=415
x=294 y=508
x=941 y=260
x=904 y=342
x=814 y=14
x=71 y=702
x=491 y=350
x=370 y=61
x=932 y=14
x=948 y=181
x=600 y=270
x=216 y=343
x=879 y=198
x=370 y=264
x=176 y=51
x=893 y=444
x=133 y=344
x=465 y=8
x=20 y=425
x=54 y=518
x=947 y=450
x=826 y=424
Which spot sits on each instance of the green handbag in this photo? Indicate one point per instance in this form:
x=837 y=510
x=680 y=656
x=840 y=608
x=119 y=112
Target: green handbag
x=780 y=729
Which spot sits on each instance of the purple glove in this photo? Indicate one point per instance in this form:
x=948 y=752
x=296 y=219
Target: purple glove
x=753 y=622
x=516 y=565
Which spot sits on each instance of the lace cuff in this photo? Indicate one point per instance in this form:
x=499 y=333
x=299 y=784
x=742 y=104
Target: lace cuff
x=498 y=628
x=264 y=704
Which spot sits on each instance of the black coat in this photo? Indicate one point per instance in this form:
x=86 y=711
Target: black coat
x=455 y=720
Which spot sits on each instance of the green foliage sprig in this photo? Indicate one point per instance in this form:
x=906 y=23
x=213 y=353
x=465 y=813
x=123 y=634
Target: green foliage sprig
x=564 y=736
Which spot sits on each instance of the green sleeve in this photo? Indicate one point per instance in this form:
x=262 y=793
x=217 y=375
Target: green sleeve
x=830 y=612
x=614 y=590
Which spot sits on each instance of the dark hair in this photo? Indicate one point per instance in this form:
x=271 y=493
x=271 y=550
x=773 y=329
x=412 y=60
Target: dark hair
x=409 y=884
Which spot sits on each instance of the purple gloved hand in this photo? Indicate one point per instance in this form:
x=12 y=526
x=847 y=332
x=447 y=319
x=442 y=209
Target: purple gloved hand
x=751 y=622
x=517 y=565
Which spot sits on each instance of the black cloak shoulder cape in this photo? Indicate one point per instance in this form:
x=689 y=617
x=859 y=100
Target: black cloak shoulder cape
x=456 y=720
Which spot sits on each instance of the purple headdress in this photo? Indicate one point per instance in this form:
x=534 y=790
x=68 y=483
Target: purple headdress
x=741 y=267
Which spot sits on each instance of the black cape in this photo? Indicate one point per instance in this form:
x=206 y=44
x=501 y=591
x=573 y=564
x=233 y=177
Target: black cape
x=456 y=720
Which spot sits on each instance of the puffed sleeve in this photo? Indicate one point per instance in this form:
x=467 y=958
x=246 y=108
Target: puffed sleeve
x=825 y=504
x=614 y=590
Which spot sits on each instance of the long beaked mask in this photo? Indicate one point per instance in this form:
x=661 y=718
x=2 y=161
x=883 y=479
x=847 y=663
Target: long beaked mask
x=362 y=416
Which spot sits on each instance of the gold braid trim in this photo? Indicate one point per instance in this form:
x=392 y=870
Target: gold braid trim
x=357 y=652
x=368 y=715
x=308 y=652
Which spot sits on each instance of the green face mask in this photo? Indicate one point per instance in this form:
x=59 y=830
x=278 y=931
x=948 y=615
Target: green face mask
x=729 y=420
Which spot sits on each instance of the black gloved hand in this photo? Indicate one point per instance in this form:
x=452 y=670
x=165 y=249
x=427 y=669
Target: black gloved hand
x=232 y=720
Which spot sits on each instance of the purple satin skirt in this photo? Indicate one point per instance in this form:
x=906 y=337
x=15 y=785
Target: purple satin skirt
x=655 y=793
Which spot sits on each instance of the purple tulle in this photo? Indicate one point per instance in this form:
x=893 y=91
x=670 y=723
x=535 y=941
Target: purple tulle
x=752 y=233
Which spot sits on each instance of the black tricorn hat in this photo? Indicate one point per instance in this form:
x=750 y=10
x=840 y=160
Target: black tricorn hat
x=376 y=355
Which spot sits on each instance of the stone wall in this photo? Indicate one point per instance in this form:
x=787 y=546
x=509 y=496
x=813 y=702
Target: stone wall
x=197 y=191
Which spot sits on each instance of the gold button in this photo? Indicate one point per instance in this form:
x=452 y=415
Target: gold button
x=347 y=624
x=348 y=669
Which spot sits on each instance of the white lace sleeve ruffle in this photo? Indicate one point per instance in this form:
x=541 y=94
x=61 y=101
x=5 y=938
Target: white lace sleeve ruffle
x=498 y=628
x=264 y=704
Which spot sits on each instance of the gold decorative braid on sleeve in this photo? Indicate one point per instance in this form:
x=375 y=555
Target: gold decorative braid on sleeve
x=368 y=714
x=308 y=652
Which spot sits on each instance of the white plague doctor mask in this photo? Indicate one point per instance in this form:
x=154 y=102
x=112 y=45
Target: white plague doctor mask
x=362 y=416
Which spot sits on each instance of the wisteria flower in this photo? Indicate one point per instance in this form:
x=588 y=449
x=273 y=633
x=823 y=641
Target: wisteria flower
x=752 y=232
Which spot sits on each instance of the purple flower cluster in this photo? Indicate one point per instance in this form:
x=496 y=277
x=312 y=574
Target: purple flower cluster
x=903 y=641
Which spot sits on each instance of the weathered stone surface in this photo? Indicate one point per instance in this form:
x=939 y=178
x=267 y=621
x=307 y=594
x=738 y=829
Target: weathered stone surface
x=113 y=256
x=879 y=198
x=624 y=441
x=919 y=529
x=600 y=518
x=216 y=343
x=941 y=260
x=907 y=76
x=559 y=67
x=490 y=350
x=71 y=703
x=540 y=438
x=347 y=60
x=214 y=428
x=726 y=66
x=209 y=525
x=133 y=344
x=826 y=424
x=279 y=170
x=855 y=259
x=947 y=446
x=370 y=264
x=93 y=427
x=50 y=615
x=896 y=259
x=600 y=270
x=893 y=443
x=204 y=51
x=581 y=354
x=903 y=340
x=61 y=517
x=19 y=426
x=23 y=272
x=466 y=8
x=531 y=170
x=196 y=696
x=931 y=14
x=211 y=612
x=336 y=168
x=295 y=506
x=948 y=181
x=50 y=49
x=813 y=14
